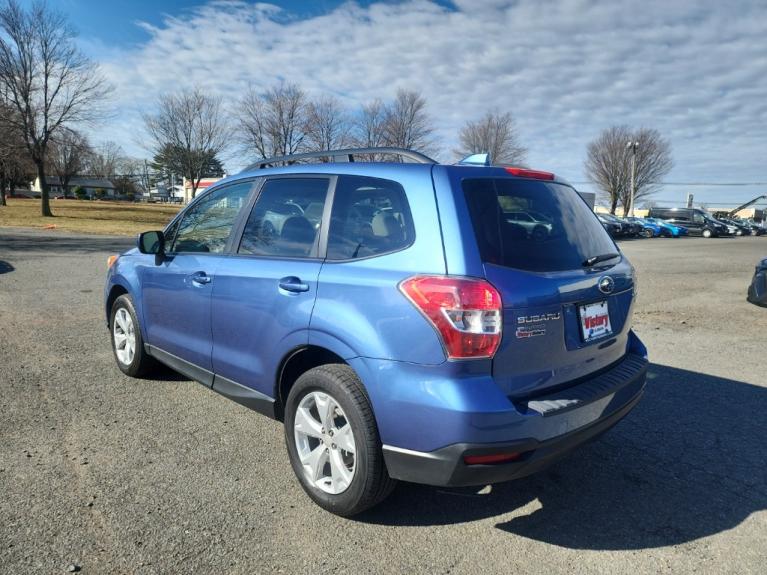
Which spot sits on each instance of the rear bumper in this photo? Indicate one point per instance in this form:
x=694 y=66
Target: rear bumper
x=602 y=401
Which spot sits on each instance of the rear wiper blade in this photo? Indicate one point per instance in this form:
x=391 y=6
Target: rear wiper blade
x=600 y=258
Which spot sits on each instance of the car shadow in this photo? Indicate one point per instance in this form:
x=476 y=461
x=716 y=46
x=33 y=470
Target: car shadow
x=688 y=462
x=164 y=373
x=5 y=267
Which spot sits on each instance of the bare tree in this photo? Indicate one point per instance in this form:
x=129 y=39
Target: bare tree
x=16 y=168
x=327 y=125
x=48 y=81
x=368 y=128
x=653 y=163
x=406 y=123
x=194 y=126
x=495 y=134
x=273 y=123
x=104 y=161
x=68 y=155
x=608 y=164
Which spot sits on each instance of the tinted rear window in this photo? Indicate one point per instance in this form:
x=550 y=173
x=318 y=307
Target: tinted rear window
x=557 y=232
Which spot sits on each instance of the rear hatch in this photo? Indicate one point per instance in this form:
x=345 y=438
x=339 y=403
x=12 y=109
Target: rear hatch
x=567 y=290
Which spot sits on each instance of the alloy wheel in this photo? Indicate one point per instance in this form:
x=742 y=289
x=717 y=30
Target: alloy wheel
x=325 y=443
x=124 y=336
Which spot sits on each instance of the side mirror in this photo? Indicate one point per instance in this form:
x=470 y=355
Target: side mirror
x=151 y=243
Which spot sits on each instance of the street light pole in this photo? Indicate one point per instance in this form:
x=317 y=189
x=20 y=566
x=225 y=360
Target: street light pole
x=633 y=147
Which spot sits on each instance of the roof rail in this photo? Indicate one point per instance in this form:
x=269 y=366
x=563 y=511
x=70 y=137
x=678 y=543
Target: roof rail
x=345 y=155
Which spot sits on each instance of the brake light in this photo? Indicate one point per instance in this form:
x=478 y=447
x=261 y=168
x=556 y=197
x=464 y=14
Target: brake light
x=465 y=312
x=535 y=174
x=111 y=260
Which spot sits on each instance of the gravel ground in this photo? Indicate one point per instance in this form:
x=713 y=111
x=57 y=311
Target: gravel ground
x=114 y=475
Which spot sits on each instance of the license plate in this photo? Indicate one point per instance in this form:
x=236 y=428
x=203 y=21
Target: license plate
x=595 y=321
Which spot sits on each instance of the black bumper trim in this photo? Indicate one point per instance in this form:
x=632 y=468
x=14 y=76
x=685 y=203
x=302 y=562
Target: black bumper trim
x=445 y=466
x=620 y=375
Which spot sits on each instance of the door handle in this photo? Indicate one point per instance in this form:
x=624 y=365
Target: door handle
x=201 y=278
x=293 y=284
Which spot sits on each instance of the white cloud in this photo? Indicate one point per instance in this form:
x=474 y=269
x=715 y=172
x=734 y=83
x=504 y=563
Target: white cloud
x=697 y=71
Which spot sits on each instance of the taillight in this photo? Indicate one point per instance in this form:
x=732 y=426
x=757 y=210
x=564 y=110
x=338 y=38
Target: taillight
x=111 y=261
x=466 y=313
x=535 y=174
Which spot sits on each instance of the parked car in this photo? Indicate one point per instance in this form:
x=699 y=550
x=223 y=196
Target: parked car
x=623 y=229
x=743 y=227
x=635 y=229
x=412 y=336
x=539 y=229
x=615 y=229
x=757 y=291
x=732 y=230
x=649 y=229
x=697 y=221
x=758 y=227
x=667 y=229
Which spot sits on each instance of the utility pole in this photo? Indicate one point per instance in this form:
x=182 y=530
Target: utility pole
x=633 y=147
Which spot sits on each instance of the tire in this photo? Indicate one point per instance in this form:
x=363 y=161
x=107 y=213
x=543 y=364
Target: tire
x=706 y=233
x=647 y=233
x=124 y=321
x=367 y=483
x=540 y=233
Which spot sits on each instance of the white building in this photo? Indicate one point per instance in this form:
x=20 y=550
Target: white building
x=90 y=186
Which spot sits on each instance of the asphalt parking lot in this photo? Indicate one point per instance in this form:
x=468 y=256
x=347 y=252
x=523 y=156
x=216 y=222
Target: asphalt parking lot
x=120 y=476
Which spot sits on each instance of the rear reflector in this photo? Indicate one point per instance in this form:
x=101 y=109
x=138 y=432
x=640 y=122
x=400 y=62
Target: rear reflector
x=466 y=313
x=535 y=174
x=490 y=459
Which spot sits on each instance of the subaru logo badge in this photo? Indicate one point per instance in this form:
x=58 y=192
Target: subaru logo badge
x=606 y=284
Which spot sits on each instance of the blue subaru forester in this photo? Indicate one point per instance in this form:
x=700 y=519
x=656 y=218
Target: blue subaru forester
x=393 y=314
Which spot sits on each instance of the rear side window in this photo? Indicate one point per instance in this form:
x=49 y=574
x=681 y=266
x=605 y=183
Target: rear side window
x=285 y=222
x=370 y=217
x=533 y=225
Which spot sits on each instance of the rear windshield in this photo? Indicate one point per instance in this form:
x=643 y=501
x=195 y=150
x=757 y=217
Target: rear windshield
x=533 y=225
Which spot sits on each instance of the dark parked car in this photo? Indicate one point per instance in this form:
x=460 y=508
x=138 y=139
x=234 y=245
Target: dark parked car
x=615 y=229
x=757 y=291
x=635 y=228
x=393 y=316
x=698 y=222
x=758 y=227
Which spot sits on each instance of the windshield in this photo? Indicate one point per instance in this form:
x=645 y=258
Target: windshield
x=560 y=234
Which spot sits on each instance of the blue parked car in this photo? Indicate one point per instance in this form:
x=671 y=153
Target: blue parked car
x=650 y=229
x=394 y=316
x=668 y=230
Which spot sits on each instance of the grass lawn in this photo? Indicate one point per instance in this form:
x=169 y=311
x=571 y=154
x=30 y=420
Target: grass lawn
x=89 y=217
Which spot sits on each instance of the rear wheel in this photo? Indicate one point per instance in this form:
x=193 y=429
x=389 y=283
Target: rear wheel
x=647 y=232
x=127 y=344
x=333 y=441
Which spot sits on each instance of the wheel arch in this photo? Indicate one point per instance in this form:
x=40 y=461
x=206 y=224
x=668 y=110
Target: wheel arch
x=293 y=365
x=116 y=291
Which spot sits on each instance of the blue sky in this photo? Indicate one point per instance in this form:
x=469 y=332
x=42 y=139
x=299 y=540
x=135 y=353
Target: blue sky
x=695 y=70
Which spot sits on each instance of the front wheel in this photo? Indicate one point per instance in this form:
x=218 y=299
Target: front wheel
x=333 y=441
x=127 y=344
x=706 y=233
x=647 y=233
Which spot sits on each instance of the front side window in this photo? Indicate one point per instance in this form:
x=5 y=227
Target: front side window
x=205 y=227
x=285 y=222
x=370 y=217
